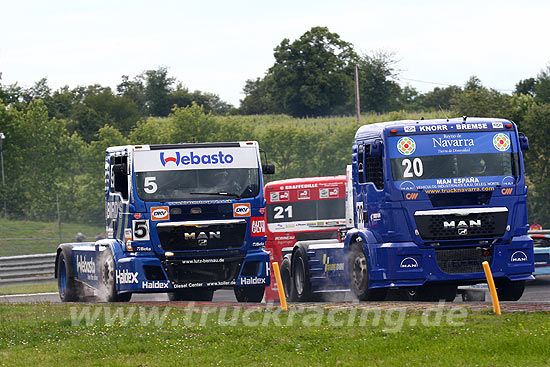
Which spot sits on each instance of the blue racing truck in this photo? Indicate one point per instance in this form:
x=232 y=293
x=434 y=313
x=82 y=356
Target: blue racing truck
x=428 y=202
x=186 y=219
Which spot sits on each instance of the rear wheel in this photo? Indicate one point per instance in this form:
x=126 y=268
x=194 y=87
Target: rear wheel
x=249 y=294
x=359 y=277
x=510 y=291
x=300 y=275
x=202 y=295
x=108 y=279
x=288 y=284
x=68 y=289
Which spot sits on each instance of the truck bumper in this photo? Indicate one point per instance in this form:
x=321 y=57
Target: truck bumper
x=148 y=274
x=404 y=264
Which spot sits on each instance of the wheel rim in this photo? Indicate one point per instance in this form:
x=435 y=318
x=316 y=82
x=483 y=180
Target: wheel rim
x=359 y=270
x=62 y=278
x=299 y=277
x=108 y=273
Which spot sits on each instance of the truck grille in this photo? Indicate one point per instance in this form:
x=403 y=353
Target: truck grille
x=203 y=237
x=462 y=260
x=457 y=227
x=203 y=269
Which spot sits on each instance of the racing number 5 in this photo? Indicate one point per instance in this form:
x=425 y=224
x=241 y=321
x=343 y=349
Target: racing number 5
x=150 y=186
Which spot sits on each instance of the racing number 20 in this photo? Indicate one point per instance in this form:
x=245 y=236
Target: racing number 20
x=415 y=166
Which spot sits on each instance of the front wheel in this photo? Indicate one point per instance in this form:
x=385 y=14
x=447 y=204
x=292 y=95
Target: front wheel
x=359 y=277
x=286 y=278
x=68 y=289
x=510 y=291
x=108 y=279
x=249 y=294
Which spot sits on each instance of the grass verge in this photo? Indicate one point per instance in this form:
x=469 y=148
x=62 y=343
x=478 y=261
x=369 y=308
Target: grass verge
x=43 y=287
x=11 y=229
x=133 y=335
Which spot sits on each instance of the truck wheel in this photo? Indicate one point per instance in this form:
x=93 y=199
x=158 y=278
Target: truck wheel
x=359 y=277
x=68 y=289
x=249 y=294
x=432 y=293
x=300 y=276
x=288 y=284
x=201 y=295
x=510 y=291
x=108 y=281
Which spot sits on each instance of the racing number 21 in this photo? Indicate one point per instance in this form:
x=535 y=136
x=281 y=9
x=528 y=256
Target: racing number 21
x=280 y=212
x=415 y=166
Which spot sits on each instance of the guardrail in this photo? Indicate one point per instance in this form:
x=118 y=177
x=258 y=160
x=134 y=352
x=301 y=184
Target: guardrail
x=27 y=268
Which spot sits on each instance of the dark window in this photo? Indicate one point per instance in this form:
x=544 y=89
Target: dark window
x=374 y=168
x=120 y=175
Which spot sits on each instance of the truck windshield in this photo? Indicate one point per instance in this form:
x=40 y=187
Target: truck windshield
x=455 y=159
x=197 y=184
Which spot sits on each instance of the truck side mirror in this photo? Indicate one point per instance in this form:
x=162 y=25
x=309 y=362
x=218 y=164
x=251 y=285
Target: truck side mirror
x=376 y=149
x=268 y=168
x=523 y=141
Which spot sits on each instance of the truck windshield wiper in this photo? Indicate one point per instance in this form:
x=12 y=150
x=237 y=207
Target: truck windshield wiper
x=217 y=193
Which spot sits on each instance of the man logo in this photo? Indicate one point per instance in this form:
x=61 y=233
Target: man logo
x=463 y=231
x=241 y=210
x=507 y=191
x=409 y=263
x=518 y=256
x=160 y=213
x=411 y=195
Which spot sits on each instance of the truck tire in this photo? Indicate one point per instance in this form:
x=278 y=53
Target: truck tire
x=432 y=293
x=359 y=277
x=249 y=294
x=300 y=275
x=286 y=277
x=108 y=281
x=68 y=287
x=201 y=295
x=510 y=291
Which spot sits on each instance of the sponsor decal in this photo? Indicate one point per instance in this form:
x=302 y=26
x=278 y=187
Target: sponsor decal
x=258 y=244
x=406 y=145
x=126 y=277
x=480 y=126
x=462 y=224
x=375 y=217
x=144 y=249
x=160 y=213
x=518 y=256
x=301 y=186
x=408 y=263
x=303 y=195
x=323 y=193
x=203 y=284
x=257 y=226
x=156 y=284
x=507 y=190
x=252 y=281
x=433 y=128
x=410 y=129
x=241 y=210
x=83 y=265
x=411 y=196
x=501 y=142
x=203 y=261
x=137 y=215
x=280 y=196
x=497 y=125
x=331 y=267
x=452 y=141
x=333 y=192
x=195 y=159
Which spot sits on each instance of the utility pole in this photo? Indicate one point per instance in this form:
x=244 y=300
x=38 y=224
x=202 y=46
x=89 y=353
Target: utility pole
x=357 y=106
x=2 y=136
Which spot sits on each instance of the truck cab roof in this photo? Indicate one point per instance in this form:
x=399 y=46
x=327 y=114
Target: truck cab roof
x=376 y=130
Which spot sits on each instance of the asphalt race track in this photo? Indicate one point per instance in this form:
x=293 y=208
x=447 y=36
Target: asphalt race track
x=535 y=297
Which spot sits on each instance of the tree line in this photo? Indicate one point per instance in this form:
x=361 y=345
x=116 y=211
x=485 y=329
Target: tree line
x=55 y=140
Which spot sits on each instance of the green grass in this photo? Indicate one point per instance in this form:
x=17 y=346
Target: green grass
x=42 y=287
x=39 y=230
x=44 y=335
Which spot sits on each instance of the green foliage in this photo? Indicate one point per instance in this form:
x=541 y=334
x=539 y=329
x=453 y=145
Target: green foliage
x=478 y=101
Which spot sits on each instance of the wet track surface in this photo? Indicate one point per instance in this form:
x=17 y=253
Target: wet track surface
x=536 y=297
